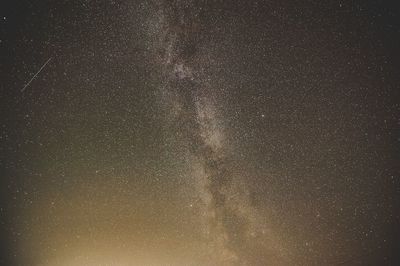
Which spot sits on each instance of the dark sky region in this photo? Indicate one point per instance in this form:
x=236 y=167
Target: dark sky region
x=182 y=132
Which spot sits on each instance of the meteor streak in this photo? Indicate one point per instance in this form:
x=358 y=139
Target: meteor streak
x=37 y=73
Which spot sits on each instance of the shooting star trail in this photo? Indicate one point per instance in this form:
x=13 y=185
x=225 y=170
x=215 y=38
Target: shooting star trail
x=37 y=73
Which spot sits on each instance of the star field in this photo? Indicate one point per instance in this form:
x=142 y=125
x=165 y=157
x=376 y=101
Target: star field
x=182 y=132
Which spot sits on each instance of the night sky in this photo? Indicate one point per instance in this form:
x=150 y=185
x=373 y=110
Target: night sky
x=182 y=132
